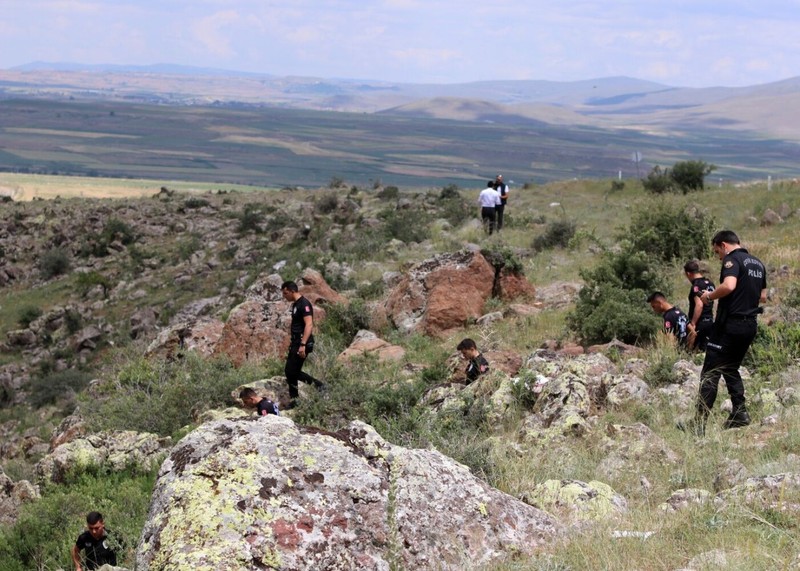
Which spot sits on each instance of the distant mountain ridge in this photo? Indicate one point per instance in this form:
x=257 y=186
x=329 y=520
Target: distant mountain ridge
x=772 y=109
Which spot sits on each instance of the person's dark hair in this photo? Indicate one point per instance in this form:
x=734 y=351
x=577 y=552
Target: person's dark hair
x=656 y=296
x=692 y=267
x=491 y=183
x=247 y=393
x=727 y=236
x=291 y=286
x=93 y=517
x=466 y=344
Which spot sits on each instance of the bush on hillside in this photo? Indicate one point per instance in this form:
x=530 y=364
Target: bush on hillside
x=343 y=321
x=250 y=219
x=88 y=280
x=54 y=262
x=605 y=312
x=389 y=193
x=670 y=231
x=612 y=303
x=556 y=234
x=56 y=386
x=685 y=176
x=162 y=396
x=27 y=314
x=503 y=258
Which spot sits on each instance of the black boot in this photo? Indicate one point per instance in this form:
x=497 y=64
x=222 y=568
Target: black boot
x=738 y=418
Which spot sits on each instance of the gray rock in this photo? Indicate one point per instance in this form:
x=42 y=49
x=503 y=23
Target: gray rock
x=266 y=493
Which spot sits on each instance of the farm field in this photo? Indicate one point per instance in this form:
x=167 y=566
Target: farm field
x=267 y=146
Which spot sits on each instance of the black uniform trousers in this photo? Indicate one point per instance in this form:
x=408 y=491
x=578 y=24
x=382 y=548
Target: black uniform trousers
x=488 y=215
x=500 y=208
x=704 y=329
x=294 y=372
x=724 y=354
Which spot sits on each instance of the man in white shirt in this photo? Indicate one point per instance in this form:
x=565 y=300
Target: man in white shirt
x=489 y=199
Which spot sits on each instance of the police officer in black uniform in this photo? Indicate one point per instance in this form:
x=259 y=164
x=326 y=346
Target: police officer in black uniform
x=97 y=544
x=701 y=316
x=742 y=287
x=301 y=341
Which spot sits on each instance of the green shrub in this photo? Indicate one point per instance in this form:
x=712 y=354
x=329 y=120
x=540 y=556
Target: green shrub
x=670 y=230
x=116 y=229
x=195 y=202
x=327 y=203
x=88 y=280
x=188 y=247
x=53 y=387
x=774 y=349
x=342 y=322
x=389 y=193
x=73 y=321
x=407 y=225
x=556 y=234
x=250 y=219
x=163 y=396
x=503 y=258
x=28 y=314
x=450 y=192
x=605 y=312
x=54 y=262
x=658 y=181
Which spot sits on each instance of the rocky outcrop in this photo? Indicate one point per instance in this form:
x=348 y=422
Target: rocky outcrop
x=13 y=495
x=111 y=451
x=264 y=493
x=578 y=501
x=440 y=294
x=367 y=343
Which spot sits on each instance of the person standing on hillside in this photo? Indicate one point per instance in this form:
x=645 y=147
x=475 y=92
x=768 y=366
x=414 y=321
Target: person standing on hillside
x=489 y=199
x=502 y=190
x=675 y=320
x=701 y=316
x=742 y=288
x=301 y=341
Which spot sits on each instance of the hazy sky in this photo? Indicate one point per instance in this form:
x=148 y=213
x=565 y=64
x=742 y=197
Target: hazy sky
x=690 y=43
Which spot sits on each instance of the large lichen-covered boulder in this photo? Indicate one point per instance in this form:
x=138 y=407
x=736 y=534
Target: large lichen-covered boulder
x=114 y=451
x=265 y=493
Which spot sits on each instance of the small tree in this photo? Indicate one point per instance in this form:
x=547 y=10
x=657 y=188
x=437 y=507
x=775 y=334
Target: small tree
x=658 y=181
x=690 y=175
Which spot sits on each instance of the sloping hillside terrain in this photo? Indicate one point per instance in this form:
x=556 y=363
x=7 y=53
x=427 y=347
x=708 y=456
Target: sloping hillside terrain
x=130 y=325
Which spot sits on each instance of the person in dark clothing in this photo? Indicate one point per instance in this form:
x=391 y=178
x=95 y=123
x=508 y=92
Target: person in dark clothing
x=675 y=320
x=263 y=405
x=742 y=287
x=301 y=341
x=701 y=316
x=477 y=363
x=96 y=543
x=502 y=190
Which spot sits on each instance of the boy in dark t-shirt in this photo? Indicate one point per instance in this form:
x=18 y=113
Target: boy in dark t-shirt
x=263 y=405
x=477 y=363
x=97 y=543
x=675 y=320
